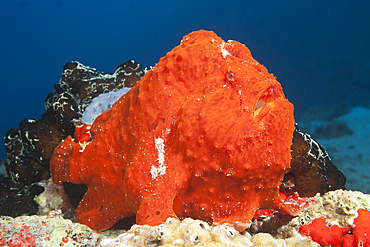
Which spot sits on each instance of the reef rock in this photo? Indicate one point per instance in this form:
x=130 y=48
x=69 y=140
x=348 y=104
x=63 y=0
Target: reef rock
x=311 y=168
x=80 y=84
x=48 y=230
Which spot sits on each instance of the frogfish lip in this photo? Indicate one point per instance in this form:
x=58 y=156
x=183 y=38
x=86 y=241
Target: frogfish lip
x=267 y=96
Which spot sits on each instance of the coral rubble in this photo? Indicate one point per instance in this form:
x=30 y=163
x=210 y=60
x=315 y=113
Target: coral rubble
x=189 y=232
x=49 y=230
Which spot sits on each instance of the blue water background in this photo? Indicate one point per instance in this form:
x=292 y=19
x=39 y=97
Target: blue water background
x=319 y=50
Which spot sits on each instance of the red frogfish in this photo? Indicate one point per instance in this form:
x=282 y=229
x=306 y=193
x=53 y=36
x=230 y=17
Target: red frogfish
x=205 y=134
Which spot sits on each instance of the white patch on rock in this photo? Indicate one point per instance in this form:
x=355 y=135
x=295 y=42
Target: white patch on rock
x=161 y=169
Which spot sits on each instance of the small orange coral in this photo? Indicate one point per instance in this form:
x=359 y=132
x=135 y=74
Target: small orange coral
x=205 y=134
x=323 y=234
x=338 y=236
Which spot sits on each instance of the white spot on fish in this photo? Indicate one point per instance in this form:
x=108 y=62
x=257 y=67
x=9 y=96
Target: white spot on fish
x=161 y=169
x=224 y=51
